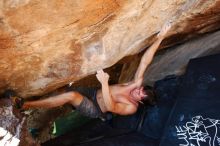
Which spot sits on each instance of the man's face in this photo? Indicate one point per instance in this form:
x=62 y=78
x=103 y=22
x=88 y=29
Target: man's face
x=138 y=94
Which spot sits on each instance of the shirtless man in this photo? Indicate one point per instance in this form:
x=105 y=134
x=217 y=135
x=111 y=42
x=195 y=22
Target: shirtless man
x=122 y=99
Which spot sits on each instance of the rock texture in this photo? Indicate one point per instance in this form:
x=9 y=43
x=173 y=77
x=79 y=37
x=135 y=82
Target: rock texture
x=46 y=44
x=13 y=130
x=175 y=59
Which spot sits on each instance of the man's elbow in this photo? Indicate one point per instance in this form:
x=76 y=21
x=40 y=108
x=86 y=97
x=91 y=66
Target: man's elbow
x=132 y=110
x=129 y=111
x=110 y=107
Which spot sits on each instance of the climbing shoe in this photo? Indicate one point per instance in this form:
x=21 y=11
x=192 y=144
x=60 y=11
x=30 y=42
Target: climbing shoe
x=16 y=100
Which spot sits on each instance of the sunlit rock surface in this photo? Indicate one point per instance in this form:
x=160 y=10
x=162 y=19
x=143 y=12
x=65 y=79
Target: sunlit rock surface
x=46 y=44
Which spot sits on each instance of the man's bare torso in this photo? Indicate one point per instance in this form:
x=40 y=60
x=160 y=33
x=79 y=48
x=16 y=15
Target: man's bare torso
x=120 y=93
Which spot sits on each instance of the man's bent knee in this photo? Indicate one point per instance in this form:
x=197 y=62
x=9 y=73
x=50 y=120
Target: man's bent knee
x=75 y=98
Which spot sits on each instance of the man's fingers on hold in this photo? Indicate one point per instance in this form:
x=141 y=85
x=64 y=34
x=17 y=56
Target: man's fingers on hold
x=98 y=71
x=101 y=71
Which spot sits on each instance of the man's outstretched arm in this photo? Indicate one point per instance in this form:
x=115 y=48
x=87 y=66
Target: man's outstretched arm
x=150 y=52
x=103 y=79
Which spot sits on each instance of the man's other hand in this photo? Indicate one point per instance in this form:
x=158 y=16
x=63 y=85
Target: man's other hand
x=102 y=76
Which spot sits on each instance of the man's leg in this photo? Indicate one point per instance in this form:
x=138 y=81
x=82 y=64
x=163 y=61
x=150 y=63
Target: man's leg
x=73 y=98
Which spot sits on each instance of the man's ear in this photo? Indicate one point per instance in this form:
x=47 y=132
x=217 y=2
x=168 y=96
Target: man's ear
x=145 y=95
x=141 y=102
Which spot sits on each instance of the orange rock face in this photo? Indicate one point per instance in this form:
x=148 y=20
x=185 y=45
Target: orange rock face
x=46 y=44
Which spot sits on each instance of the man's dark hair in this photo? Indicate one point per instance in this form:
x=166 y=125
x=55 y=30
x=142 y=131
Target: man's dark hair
x=151 y=96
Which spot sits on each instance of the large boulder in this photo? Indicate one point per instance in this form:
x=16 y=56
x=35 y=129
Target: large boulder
x=46 y=44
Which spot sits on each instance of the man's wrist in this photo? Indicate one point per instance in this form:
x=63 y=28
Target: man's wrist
x=161 y=37
x=104 y=82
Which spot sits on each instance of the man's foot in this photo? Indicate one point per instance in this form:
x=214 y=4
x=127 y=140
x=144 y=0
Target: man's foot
x=16 y=100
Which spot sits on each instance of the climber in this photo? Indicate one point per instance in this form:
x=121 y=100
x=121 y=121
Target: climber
x=122 y=99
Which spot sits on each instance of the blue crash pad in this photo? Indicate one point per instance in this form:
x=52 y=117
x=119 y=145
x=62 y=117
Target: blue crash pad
x=195 y=117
